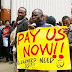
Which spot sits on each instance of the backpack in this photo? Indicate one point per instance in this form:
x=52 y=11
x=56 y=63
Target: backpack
x=12 y=37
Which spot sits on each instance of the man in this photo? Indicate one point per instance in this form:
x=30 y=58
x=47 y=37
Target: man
x=37 y=16
x=66 y=22
x=22 y=22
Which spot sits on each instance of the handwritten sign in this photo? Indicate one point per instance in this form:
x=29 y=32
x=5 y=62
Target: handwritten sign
x=43 y=49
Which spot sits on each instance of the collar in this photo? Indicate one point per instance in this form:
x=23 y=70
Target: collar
x=21 y=21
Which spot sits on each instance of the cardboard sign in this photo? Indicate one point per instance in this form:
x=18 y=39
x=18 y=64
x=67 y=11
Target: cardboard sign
x=43 y=49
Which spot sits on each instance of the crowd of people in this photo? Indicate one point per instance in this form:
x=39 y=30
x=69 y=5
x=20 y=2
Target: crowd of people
x=38 y=19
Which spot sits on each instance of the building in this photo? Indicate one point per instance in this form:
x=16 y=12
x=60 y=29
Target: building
x=56 y=8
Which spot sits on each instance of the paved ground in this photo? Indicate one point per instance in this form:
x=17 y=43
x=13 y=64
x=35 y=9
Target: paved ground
x=6 y=67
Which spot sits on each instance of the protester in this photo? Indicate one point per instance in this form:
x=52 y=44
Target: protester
x=37 y=16
x=22 y=23
x=6 y=38
x=66 y=22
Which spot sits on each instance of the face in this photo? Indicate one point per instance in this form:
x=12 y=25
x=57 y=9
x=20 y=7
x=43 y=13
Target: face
x=66 y=22
x=7 y=23
x=21 y=13
x=36 y=17
x=0 y=22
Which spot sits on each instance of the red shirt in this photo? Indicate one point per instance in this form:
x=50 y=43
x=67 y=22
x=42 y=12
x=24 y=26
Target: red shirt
x=6 y=31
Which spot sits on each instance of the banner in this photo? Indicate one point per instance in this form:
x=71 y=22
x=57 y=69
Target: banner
x=43 y=49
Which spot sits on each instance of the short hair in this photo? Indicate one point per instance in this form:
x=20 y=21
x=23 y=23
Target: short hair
x=40 y=11
x=51 y=20
x=65 y=17
x=24 y=9
x=7 y=21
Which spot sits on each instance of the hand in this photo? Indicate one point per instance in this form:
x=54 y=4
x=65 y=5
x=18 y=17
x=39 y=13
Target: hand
x=66 y=30
x=31 y=27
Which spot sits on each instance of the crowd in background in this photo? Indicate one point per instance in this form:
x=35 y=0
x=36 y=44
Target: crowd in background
x=38 y=19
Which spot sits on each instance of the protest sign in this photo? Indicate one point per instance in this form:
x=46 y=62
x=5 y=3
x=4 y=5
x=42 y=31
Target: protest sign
x=43 y=49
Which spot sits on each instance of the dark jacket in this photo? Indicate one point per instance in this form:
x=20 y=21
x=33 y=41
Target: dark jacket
x=23 y=25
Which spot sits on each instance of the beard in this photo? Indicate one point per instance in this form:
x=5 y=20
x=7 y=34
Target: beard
x=20 y=17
